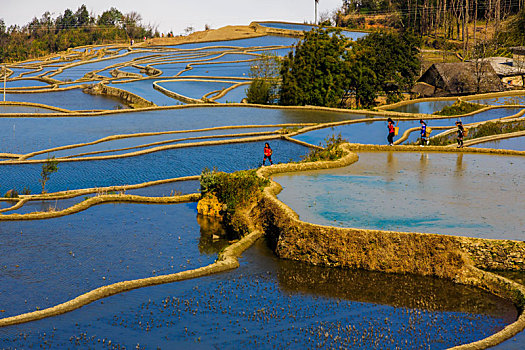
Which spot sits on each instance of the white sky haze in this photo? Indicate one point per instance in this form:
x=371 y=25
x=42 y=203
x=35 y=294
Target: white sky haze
x=176 y=15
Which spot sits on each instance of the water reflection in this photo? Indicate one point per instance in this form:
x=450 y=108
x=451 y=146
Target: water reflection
x=214 y=236
x=406 y=291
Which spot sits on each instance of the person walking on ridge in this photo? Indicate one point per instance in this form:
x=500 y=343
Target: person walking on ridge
x=267 y=153
x=423 y=132
x=461 y=133
x=391 y=132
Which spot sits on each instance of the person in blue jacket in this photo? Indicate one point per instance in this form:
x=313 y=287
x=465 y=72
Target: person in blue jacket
x=423 y=132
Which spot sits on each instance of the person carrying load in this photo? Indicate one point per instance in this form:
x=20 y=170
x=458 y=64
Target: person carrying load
x=461 y=133
x=267 y=153
x=391 y=132
x=425 y=132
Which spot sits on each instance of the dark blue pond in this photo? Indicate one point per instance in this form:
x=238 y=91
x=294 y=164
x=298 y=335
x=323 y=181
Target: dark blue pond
x=149 y=167
x=70 y=99
x=102 y=245
x=268 y=303
x=24 y=135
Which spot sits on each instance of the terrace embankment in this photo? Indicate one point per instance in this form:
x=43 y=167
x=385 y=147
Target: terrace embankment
x=132 y=99
x=446 y=256
x=387 y=251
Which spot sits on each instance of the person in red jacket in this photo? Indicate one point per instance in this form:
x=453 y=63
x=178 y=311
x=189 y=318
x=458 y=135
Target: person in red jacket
x=391 y=132
x=267 y=153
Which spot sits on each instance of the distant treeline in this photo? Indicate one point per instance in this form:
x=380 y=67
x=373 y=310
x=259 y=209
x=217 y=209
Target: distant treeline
x=427 y=17
x=48 y=35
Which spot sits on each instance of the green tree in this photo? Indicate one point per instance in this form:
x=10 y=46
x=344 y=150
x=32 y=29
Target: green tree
x=314 y=74
x=111 y=17
x=394 y=59
x=48 y=168
x=362 y=80
x=265 y=74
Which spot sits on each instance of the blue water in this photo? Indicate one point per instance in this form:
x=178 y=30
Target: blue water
x=504 y=100
x=139 y=141
x=149 y=167
x=236 y=95
x=515 y=143
x=237 y=69
x=18 y=71
x=376 y=132
x=23 y=83
x=427 y=107
x=45 y=70
x=268 y=303
x=194 y=89
x=24 y=109
x=79 y=71
x=468 y=195
x=168 y=189
x=170 y=69
x=131 y=69
x=144 y=88
x=52 y=132
x=50 y=261
x=70 y=99
x=143 y=147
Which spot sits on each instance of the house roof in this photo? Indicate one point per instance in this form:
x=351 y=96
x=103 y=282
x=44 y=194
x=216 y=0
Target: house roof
x=461 y=78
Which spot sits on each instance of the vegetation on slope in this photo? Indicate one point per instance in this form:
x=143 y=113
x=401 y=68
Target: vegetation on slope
x=49 y=35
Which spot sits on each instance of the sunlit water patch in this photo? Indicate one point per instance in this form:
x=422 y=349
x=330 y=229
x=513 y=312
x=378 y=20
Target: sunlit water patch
x=268 y=303
x=458 y=194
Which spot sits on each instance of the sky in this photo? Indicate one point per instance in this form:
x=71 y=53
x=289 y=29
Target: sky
x=176 y=15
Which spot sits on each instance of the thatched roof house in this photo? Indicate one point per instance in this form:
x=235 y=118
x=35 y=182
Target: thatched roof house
x=462 y=78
